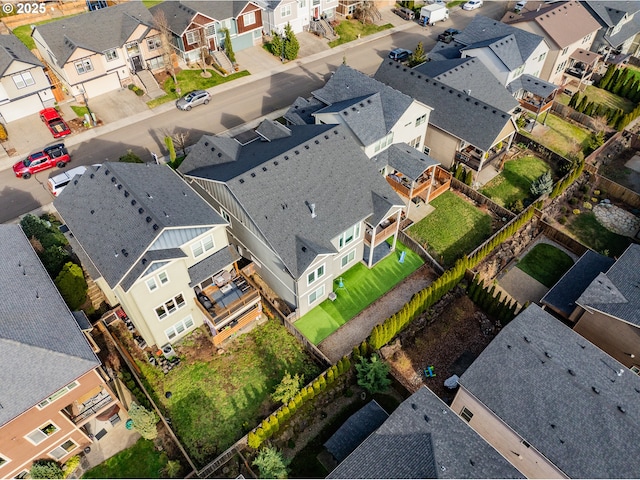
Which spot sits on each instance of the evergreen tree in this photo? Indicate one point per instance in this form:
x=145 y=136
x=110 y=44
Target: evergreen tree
x=582 y=104
x=228 y=46
x=588 y=110
x=144 y=421
x=271 y=463
x=418 y=56
x=575 y=98
x=621 y=81
x=72 y=285
x=604 y=81
x=287 y=388
x=458 y=175
x=373 y=374
x=45 y=468
x=614 y=80
x=291 y=44
x=276 y=45
x=468 y=178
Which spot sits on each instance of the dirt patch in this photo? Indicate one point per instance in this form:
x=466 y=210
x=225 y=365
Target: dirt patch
x=449 y=338
x=197 y=347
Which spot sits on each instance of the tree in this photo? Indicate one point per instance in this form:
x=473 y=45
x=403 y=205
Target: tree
x=582 y=104
x=46 y=469
x=276 y=45
x=468 y=177
x=172 y=150
x=287 y=388
x=373 y=374
x=144 y=421
x=72 y=285
x=366 y=12
x=291 y=44
x=180 y=139
x=575 y=98
x=53 y=258
x=228 y=46
x=172 y=469
x=604 y=81
x=418 y=56
x=162 y=25
x=130 y=157
x=541 y=185
x=271 y=463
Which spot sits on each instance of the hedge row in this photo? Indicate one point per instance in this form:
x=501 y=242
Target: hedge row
x=573 y=174
x=496 y=306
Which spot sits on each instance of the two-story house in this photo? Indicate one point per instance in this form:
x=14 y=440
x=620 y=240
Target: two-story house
x=620 y=21
x=552 y=403
x=55 y=396
x=300 y=14
x=569 y=30
x=155 y=247
x=462 y=128
x=24 y=87
x=599 y=296
x=196 y=25
x=302 y=201
x=99 y=51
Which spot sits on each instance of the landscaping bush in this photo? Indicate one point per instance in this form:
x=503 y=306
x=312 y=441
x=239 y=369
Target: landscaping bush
x=287 y=389
x=3 y=133
x=542 y=185
x=576 y=211
x=291 y=44
x=228 y=46
x=271 y=463
x=573 y=201
x=587 y=205
x=418 y=56
x=562 y=220
x=130 y=157
x=144 y=421
x=54 y=258
x=46 y=469
x=70 y=465
x=172 y=149
x=373 y=375
x=72 y=285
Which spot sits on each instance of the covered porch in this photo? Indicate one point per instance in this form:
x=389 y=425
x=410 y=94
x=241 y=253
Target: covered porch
x=99 y=402
x=476 y=158
x=582 y=65
x=536 y=95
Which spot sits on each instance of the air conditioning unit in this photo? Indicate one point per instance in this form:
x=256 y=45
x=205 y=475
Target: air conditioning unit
x=168 y=351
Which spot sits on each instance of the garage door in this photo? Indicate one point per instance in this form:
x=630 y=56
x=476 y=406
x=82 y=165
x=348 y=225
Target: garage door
x=102 y=85
x=21 y=108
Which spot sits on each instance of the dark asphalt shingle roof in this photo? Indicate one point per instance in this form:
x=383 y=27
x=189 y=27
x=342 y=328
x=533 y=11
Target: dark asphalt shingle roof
x=277 y=181
x=470 y=75
x=272 y=130
x=612 y=11
x=617 y=292
x=41 y=346
x=454 y=111
x=423 y=438
x=532 y=84
x=218 y=9
x=96 y=31
x=11 y=50
x=562 y=395
x=124 y=207
x=573 y=283
x=212 y=265
x=409 y=161
x=178 y=15
x=355 y=430
x=302 y=110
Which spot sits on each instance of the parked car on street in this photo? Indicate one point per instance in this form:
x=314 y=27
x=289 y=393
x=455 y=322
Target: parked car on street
x=54 y=122
x=49 y=157
x=399 y=54
x=57 y=183
x=472 y=5
x=405 y=13
x=447 y=35
x=192 y=99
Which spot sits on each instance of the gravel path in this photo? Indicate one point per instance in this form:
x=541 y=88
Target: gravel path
x=352 y=333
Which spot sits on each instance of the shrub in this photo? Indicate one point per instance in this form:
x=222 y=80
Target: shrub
x=594 y=199
x=271 y=463
x=291 y=44
x=542 y=185
x=287 y=389
x=72 y=285
x=573 y=201
x=596 y=192
x=139 y=91
x=576 y=211
x=172 y=469
x=228 y=46
x=172 y=149
x=3 y=133
x=373 y=374
x=130 y=157
x=70 y=465
x=587 y=205
x=131 y=86
x=144 y=421
x=517 y=206
x=54 y=258
x=584 y=188
x=46 y=469
x=562 y=220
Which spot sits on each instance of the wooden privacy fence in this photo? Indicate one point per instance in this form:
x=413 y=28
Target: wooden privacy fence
x=571 y=244
x=480 y=199
x=614 y=190
x=416 y=248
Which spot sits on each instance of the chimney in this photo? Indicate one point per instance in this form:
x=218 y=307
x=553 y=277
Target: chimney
x=313 y=210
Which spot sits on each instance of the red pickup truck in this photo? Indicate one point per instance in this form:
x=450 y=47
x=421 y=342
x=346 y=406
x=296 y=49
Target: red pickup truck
x=55 y=155
x=56 y=125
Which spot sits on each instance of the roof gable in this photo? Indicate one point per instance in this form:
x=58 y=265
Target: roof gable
x=13 y=50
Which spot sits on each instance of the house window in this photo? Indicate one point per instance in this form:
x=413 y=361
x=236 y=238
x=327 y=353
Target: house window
x=3 y=460
x=170 y=306
x=154 y=43
x=202 y=246
x=151 y=284
x=41 y=434
x=387 y=140
x=22 y=474
x=347 y=259
x=224 y=214
x=84 y=66
x=566 y=49
x=179 y=328
x=420 y=120
x=58 y=394
x=249 y=18
x=427 y=150
x=315 y=275
x=349 y=235
x=111 y=55
x=542 y=56
x=210 y=30
x=23 y=79
x=587 y=38
x=156 y=63
x=415 y=143
x=192 y=37
x=561 y=66
x=285 y=11
x=163 y=277
x=63 y=449
x=466 y=414
x=313 y=296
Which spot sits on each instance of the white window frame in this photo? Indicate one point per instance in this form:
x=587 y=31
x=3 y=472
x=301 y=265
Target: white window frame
x=316 y=294
x=383 y=142
x=23 y=80
x=59 y=394
x=154 y=43
x=542 y=56
x=156 y=62
x=249 y=19
x=421 y=119
x=83 y=66
x=193 y=35
x=285 y=10
x=226 y=215
x=60 y=447
x=4 y=460
x=348 y=258
x=40 y=429
x=179 y=328
x=466 y=414
x=152 y=284
x=415 y=143
x=170 y=306
x=165 y=280
x=343 y=240
x=210 y=30
x=200 y=244
x=111 y=55
x=316 y=274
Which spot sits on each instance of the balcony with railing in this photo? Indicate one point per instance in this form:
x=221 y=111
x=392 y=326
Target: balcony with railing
x=383 y=231
x=536 y=104
x=83 y=409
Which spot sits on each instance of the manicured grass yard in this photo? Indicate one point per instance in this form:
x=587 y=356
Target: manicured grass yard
x=363 y=287
x=562 y=137
x=515 y=180
x=455 y=228
x=348 y=31
x=586 y=228
x=189 y=80
x=141 y=460
x=545 y=263
x=598 y=95
x=216 y=399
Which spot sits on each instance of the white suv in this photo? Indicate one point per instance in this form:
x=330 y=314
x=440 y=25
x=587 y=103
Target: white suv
x=57 y=183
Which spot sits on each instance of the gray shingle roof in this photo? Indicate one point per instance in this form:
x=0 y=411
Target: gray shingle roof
x=561 y=394
x=117 y=210
x=423 y=438
x=271 y=130
x=178 y=15
x=470 y=75
x=564 y=294
x=41 y=346
x=212 y=265
x=409 y=161
x=277 y=181
x=617 y=292
x=218 y=9
x=454 y=112
x=355 y=430
x=627 y=31
x=347 y=83
x=96 y=31
x=505 y=48
x=11 y=50
x=143 y=263
x=612 y=11
x=532 y=84
x=302 y=110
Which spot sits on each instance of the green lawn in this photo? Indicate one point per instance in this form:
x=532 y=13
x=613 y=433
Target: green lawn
x=455 y=227
x=215 y=402
x=79 y=110
x=598 y=95
x=515 y=180
x=545 y=263
x=363 y=287
x=141 y=460
x=348 y=30
x=586 y=228
x=562 y=137
x=151 y=3
x=189 y=80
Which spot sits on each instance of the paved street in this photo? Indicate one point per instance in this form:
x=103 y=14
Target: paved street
x=233 y=104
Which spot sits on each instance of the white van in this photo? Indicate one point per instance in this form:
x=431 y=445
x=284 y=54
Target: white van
x=57 y=183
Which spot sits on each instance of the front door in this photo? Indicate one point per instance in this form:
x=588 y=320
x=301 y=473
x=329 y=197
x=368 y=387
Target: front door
x=137 y=63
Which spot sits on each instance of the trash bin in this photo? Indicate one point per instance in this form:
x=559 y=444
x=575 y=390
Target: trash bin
x=129 y=424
